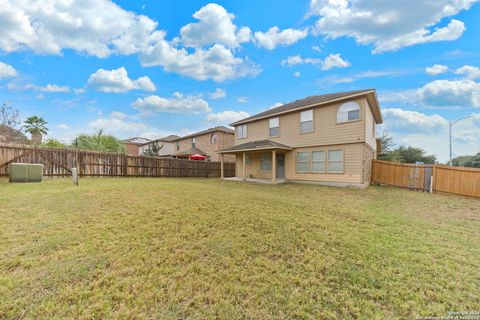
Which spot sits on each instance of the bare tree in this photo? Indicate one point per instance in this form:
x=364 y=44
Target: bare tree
x=9 y=116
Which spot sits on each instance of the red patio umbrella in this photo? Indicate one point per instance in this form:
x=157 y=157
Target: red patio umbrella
x=197 y=157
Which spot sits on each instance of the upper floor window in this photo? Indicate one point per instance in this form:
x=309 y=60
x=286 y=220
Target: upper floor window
x=213 y=138
x=349 y=111
x=178 y=145
x=306 y=121
x=274 y=125
x=193 y=142
x=242 y=131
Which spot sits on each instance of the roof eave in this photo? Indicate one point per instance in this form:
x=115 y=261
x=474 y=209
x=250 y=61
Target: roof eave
x=256 y=149
x=363 y=93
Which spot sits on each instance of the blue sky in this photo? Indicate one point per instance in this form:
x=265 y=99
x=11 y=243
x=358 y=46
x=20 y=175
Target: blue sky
x=152 y=68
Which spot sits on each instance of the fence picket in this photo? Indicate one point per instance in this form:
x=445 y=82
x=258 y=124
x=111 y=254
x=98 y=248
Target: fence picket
x=58 y=163
x=445 y=179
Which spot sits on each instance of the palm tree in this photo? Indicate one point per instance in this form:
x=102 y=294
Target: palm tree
x=99 y=142
x=36 y=126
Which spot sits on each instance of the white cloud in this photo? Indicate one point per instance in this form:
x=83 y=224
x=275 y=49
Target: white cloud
x=387 y=25
x=102 y=28
x=274 y=37
x=331 y=61
x=63 y=126
x=217 y=63
x=7 y=71
x=451 y=93
x=218 y=94
x=334 y=61
x=397 y=118
x=316 y=48
x=226 y=117
x=436 y=69
x=430 y=132
x=176 y=104
x=215 y=26
x=297 y=74
x=118 y=115
x=53 y=88
x=470 y=72
x=95 y=27
x=242 y=99
x=117 y=125
x=117 y=81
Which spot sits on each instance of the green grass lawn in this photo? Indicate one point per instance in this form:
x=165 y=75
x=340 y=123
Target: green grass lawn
x=200 y=249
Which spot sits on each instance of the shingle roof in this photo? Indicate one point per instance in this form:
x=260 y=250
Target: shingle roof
x=257 y=145
x=211 y=130
x=170 y=138
x=136 y=140
x=297 y=104
x=191 y=151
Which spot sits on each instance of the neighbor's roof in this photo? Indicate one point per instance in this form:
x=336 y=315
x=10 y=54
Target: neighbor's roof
x=170 y=138
x=318 y=100
x=257 y=145
x=189 y=152
x=211 y=130
x=136 y=140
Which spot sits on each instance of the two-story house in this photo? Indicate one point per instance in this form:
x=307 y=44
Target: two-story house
x=164 y=147
x=207 y=143
x=328 y=139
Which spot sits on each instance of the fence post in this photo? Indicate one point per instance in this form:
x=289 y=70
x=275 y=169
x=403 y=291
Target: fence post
x=434 y=179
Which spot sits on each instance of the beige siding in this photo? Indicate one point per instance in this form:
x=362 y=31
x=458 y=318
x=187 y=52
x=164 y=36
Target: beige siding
x=370 y=135
x=352 y=153
x=326 y=130
x=203 y=142
x=253 y=168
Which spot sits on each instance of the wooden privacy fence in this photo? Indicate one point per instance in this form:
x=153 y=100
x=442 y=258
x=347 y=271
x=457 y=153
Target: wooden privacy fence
x=59 y=162
x=427 y=177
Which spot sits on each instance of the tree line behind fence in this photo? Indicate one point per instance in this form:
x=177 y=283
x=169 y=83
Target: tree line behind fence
x=59 y=162
x=428 y=177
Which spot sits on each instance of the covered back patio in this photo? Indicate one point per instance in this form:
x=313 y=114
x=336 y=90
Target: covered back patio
x=258 y=161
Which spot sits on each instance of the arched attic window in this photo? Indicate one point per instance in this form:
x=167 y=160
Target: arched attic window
x=213 y=138
x=349 y=111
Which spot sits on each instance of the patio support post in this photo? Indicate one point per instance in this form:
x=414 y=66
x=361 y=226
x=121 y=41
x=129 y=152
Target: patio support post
x=244 y=166
x=274 y=166
x=222 y=174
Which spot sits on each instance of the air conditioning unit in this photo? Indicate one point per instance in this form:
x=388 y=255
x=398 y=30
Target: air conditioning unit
x=25 y=172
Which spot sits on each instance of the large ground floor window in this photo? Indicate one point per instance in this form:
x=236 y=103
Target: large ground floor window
x=266 y=162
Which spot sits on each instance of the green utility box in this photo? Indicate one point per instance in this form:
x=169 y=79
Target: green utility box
x=25 y=172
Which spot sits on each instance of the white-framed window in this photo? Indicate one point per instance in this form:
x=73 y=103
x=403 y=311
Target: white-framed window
x=318 y=161
x=302 y=161
x=335 y=161
x=242 y=131
x=194 y=141
x=274 y=127
x=349 y=111
x=306 y=121
x=178 y=145
x=213 y=138
x=265 y=162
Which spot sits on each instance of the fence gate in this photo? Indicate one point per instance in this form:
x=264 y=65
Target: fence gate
x=427 y=177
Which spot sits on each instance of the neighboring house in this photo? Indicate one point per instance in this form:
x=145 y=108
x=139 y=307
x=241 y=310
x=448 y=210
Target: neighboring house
x=207 y=143
x=165 y=146
x=328 y=139
x=133 y=145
